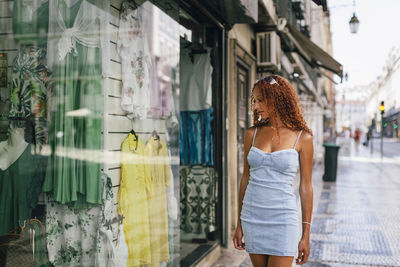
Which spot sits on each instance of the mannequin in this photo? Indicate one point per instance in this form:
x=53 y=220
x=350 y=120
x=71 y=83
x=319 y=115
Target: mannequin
x=12 y=149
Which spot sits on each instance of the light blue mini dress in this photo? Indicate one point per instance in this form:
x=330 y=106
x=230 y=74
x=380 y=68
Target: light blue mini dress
x=270 y=217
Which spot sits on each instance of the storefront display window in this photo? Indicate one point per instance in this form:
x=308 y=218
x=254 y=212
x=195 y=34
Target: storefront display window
x=107 y=134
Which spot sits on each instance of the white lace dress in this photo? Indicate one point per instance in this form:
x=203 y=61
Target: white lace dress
x=134 y=51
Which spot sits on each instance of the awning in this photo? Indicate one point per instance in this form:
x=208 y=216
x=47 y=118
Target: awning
x=322 y=3
x=233 y=11
x=241 y=11
x=312 y=53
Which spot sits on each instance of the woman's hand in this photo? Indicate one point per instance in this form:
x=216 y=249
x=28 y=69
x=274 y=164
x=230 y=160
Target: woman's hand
x=304 y=251
x=237 y=238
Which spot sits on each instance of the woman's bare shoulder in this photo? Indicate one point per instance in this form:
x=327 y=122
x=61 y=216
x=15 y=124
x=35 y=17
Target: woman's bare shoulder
x=251 y=129
x=306 y=141
x=306 y=137
x=250 y=132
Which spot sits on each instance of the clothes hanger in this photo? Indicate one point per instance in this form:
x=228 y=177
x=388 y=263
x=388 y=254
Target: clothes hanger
x=156 y=138
x=134 y=133
x=185 y=43
x=155 y=135
x=198 y=48
x=199 y=51
x=133 y=2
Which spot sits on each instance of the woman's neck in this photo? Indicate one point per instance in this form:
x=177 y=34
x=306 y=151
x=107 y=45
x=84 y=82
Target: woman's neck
x=276 y=123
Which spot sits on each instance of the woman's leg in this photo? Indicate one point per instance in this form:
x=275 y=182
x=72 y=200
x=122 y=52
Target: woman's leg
x=259 y=260
x=280 y=261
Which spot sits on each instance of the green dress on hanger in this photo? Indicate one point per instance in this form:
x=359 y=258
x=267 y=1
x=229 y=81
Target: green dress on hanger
x=74 y=172
x=20 y=187
x=30 y=22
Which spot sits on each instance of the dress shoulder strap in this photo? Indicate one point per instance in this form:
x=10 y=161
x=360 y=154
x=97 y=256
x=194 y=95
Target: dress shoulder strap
x=297 y=140
x=254 y=137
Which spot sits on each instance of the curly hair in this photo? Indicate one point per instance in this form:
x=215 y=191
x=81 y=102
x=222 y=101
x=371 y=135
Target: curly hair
x=283 y=102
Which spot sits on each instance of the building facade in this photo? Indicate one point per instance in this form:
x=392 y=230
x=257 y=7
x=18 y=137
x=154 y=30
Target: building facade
x=385 y=89
x=288 y=39
x=351 y=106
x=119 y=106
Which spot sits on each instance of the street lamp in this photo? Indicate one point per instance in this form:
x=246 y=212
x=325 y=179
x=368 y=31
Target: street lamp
x=354 y=22
x=382 y=109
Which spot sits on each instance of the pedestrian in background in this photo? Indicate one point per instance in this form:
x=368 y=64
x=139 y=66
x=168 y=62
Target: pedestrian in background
x=357 y=136
x=367 y=137
x=280 y=140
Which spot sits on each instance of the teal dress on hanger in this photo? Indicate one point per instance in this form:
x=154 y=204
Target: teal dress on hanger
x=30 y=22
x=20 y=187
x=74 y=171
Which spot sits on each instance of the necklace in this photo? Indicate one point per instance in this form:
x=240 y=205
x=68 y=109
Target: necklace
x=266 y=122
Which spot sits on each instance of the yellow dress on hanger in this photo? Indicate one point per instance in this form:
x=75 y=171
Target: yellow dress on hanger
x=133 y=199
x=159 y=170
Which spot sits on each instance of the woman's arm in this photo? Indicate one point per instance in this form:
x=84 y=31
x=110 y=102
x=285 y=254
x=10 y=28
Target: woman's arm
x=237 y=239
x=306 y=195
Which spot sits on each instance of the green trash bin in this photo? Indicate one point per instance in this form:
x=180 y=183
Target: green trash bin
x=331 y=162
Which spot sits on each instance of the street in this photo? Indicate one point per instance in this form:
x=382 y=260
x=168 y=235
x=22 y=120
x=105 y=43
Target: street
x=391 y=147
x=355 y=219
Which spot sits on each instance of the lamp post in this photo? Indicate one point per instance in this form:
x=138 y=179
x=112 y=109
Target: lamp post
x=371 y=136
x=382 y=109
x=354 y=22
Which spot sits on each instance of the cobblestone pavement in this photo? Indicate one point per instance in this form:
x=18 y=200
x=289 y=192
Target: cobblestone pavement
x=356 y=219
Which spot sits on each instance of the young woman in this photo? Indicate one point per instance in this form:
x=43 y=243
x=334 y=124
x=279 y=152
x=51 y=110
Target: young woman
x=275 y=146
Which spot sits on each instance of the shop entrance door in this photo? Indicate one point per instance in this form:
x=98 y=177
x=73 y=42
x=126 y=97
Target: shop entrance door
x=242 y=115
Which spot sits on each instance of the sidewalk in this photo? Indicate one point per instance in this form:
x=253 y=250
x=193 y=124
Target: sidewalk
x=355 y=219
